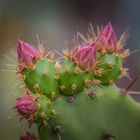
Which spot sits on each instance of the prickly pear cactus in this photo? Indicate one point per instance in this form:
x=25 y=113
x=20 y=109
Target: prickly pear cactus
x=77 y=98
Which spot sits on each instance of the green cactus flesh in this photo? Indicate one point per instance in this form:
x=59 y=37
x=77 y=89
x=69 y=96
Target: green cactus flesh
x=70 y=78
x=86 y=118
x=111 y=68
x=45 y=111
x=42 y=78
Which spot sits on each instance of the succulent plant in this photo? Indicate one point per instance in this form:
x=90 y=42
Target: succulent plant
x=78 y=98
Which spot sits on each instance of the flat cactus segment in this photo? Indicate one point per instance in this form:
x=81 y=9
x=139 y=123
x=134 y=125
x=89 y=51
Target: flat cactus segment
x=42 y=78
x=92 y=118
x=110 y=66
x=45 y=111
x=73 y=79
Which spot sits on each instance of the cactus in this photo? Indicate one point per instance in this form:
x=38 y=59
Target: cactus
x=78 y=98
x=38 y=74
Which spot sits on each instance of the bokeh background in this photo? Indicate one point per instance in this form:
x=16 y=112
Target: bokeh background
x=56 y=22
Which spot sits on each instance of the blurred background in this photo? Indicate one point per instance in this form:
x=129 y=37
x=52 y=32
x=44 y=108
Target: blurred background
x=56 y=22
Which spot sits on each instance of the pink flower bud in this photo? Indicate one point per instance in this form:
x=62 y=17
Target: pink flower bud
x=107 y=38
x=27 y=54
x=26 y=106
x=28 y=136
x=86 y=55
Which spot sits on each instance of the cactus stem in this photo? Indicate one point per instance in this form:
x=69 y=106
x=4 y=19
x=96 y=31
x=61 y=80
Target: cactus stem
x=70 y=99
x=73 y=87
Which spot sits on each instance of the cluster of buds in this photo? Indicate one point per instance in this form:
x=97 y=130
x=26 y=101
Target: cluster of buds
x=105 y=42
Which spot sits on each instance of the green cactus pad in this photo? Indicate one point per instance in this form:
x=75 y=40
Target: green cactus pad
x=42 y=79
x=69 y=78
x=111 y=68
x=45 y=111
x=92 y=118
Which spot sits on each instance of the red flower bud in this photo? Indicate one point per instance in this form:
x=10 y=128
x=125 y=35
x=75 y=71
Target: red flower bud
x=27 y=54
x=86 y=55
x=107 y=38
x=26 y=106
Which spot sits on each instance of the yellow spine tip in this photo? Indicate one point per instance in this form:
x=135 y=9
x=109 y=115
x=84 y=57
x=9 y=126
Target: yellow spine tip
x=45 y=122
x=73 y=86
x=99 y=72
x=124 y=71
x=38 y=106
x=85 y=91
x=65 y=69
x=36 y=87
x=58 y=67
x=32 y=67
x=42 y=114
x=96 y=81
x=53 y=94
x=110 y=64
x=77 y=70
x=54 y=111
x=48 y=102
x=57 y=77
x=111 y=82
x=88 y=82
x=62 y=87
x=46 y=73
